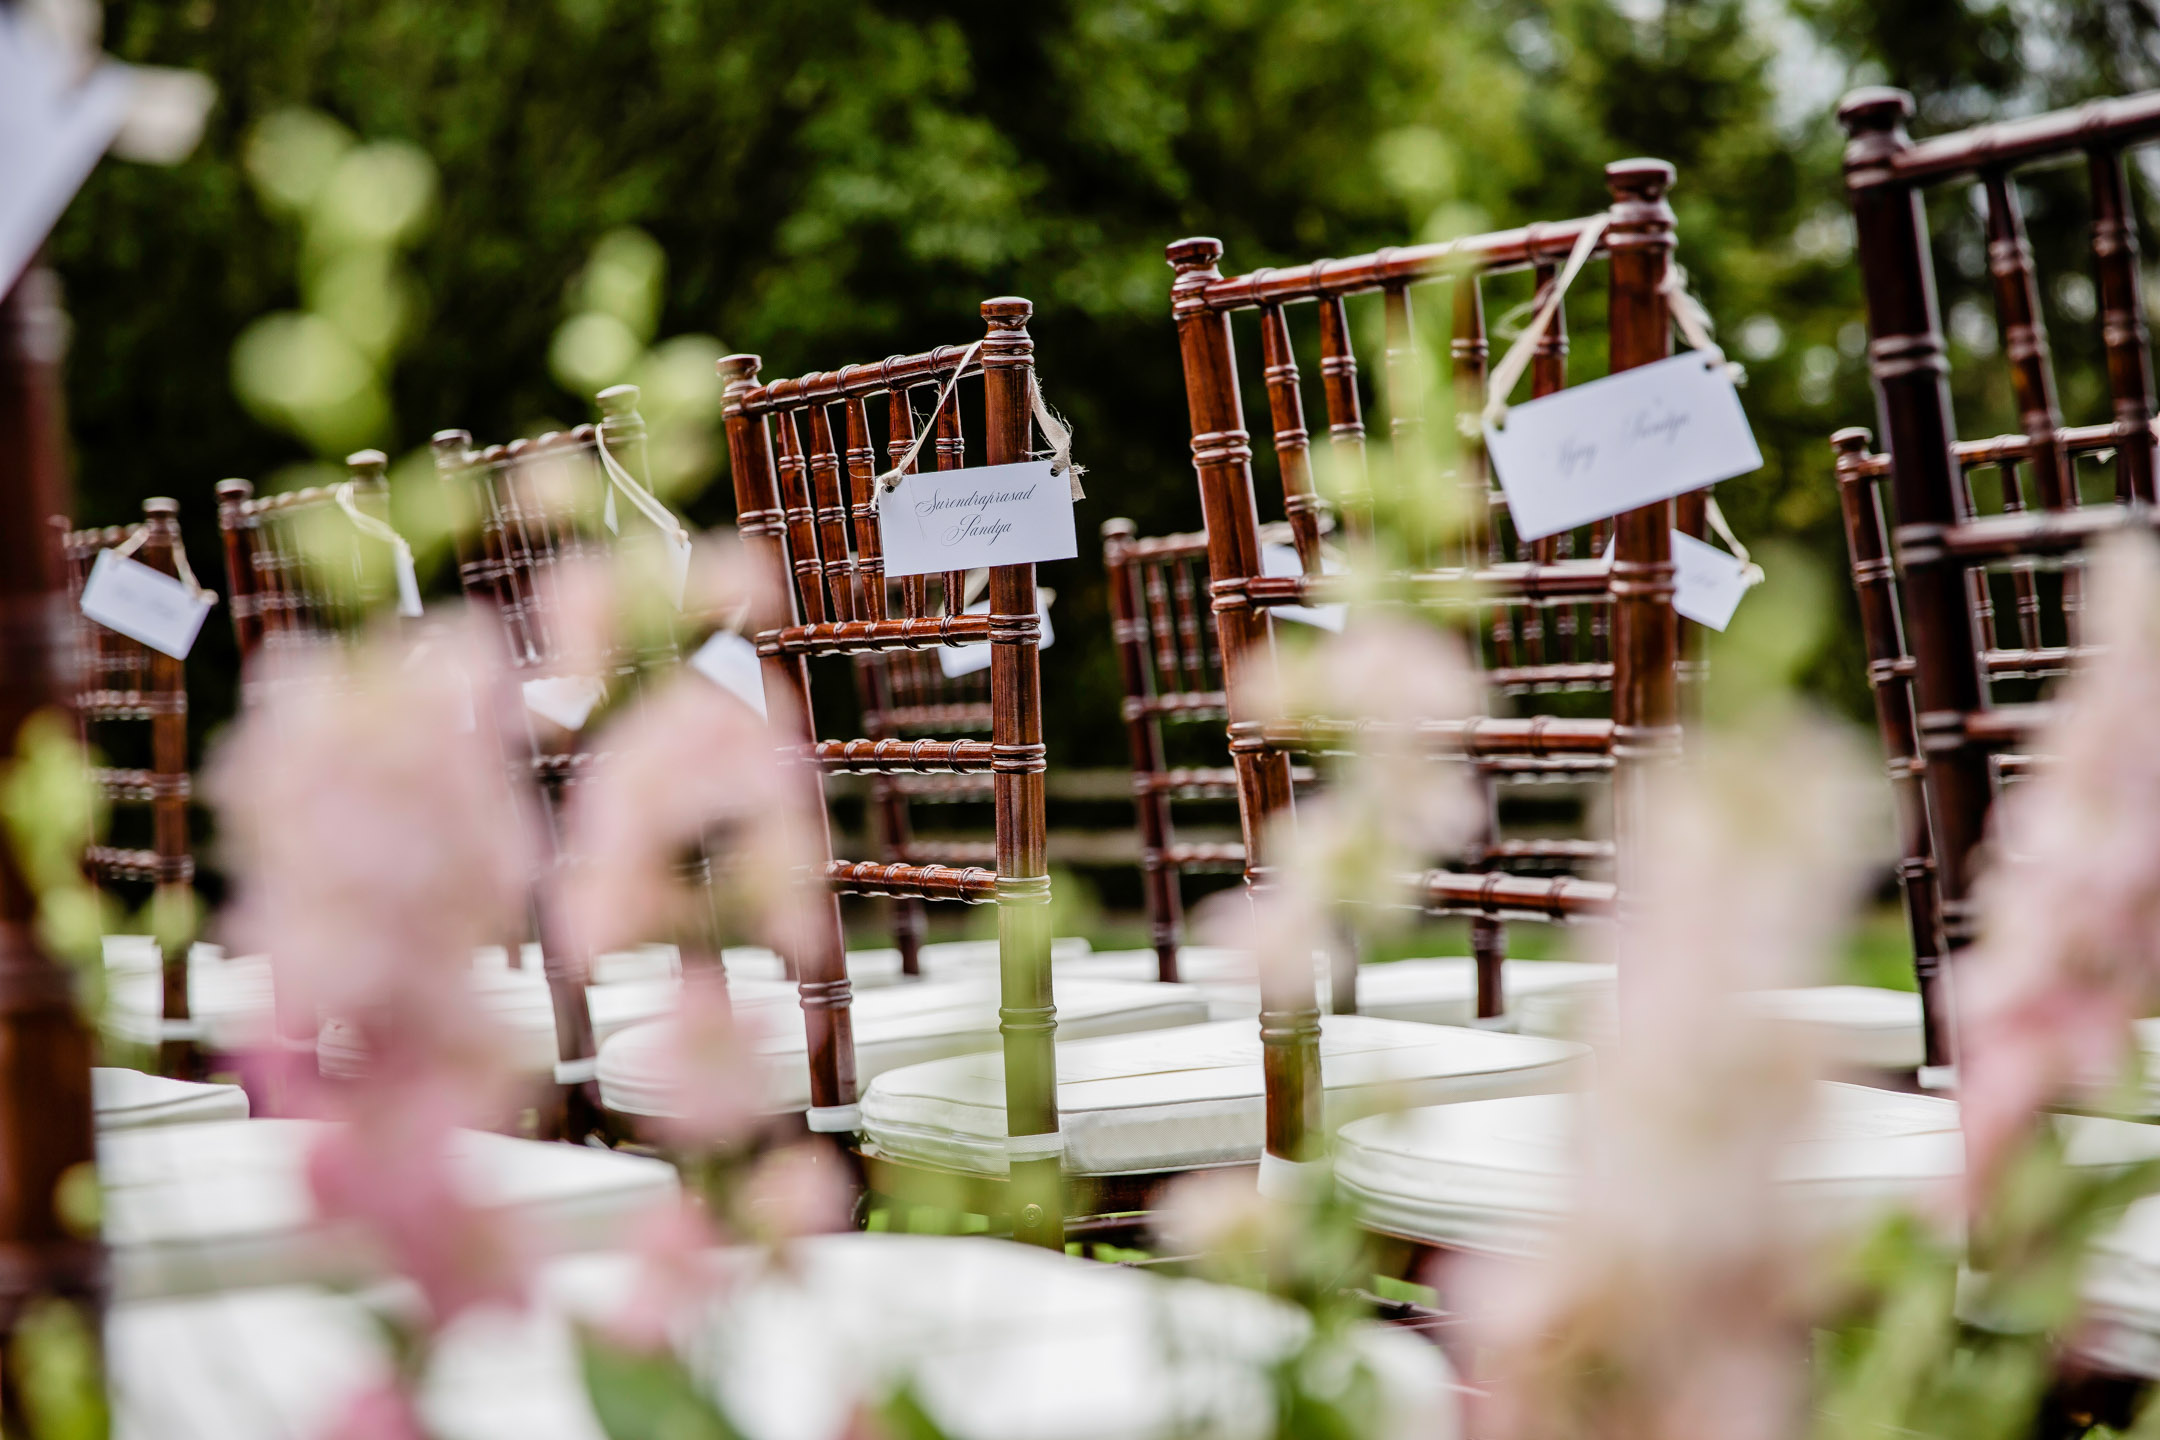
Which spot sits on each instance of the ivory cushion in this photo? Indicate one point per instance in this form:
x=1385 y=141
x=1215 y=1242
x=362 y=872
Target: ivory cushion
x=228 y=997
x=1179 y=1099
x=894 y=1026
x=1002 y=1342
x=1498 y=1175
x=1855 y=1027
x=131 y=1099
x=225 y=1204
x=867 y=969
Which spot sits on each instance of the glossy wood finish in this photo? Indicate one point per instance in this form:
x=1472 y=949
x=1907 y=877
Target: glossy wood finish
x=1890 y=677
x=1542 y=619
x=124 y=686
x=46 y=1135
x=298 y=574
x=1952 y=644
x=773 y=490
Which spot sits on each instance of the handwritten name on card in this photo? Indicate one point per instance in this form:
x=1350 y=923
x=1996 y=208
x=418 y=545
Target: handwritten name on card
x=941 y=520
x=145 y=604
x=1616 y=444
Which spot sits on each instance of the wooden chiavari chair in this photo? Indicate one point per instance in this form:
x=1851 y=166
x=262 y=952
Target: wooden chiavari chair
x=540 y=504
x=300 y=572
x=904 y=694
x=1522 y=592
x=127 y=689
x=794 y=513
x=1980 y=608
x=1173 y=677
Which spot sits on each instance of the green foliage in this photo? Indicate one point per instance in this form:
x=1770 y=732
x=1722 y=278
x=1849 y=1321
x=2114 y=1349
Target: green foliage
x=56 y=1357
x=642 y=1395
x=840 y=180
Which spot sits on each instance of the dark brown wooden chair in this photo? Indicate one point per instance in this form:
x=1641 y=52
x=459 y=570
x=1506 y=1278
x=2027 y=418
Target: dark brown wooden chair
x=798 y=513
x=1550 y=621
x=905 y=694
x=532 y=506
x=1173 y=680
x=132 y=705
x=1981 y=608
x=300 y=573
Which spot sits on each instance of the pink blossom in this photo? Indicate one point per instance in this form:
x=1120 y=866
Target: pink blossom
x=715 y=1084
x=383 y=1412
x=2069 y=953
x=689 y=763
x=678 y=1274
x=377 y=839
x=1674 y=1302
x=795 y=1191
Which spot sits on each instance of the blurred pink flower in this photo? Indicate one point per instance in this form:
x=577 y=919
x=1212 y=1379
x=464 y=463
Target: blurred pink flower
x=377 y=840
x=688 y=764
x=1674 y=1302
x=372 y=827
x=678 y=1274
x=796 y=1191
x=716 y=1086
x=384 y=1412
x=389 y=1166
x=2069 y=953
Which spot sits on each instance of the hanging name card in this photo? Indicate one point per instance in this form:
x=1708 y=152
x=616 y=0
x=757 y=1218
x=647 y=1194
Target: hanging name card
x=1619 y=443
x=145 y=604
x=939 y=520
x=1282 y=561
x=731 y=662
x=1707 y=582
x=568 y=700
x=958 y=660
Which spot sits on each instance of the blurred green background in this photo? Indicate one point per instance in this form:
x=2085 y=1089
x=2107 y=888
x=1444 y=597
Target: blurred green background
x=553 y=193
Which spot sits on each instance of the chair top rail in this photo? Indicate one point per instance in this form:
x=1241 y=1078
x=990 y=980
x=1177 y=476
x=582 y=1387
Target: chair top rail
x=856 y=381
x=2004 y=449
x=2064 y=134
x=1384 y=269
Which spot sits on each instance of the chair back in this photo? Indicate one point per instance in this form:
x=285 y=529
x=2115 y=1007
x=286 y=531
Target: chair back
x=1980 y=607
x=1551 y=617
x=132 y=705
x=301 y=571
x=796 y=511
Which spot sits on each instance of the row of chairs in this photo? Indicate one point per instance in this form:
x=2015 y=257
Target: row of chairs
x=1563 y=631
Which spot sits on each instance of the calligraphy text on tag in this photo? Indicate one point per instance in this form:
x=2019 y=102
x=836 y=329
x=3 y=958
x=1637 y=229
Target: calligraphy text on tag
x=731 y=662
x=145 y=604
x=938 y=520
x=1615 y=444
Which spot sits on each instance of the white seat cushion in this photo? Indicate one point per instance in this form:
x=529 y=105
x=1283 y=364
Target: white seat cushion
x=1443 y=990
x=1180 y=1099
x=894 y=1026
x=226 y=1204
x=1855 y=1027
x=1499 y=1174
x=228 y=997
x=1001 y=1342
x=518 y=1000
x=130 y=1099
x=1225 y=977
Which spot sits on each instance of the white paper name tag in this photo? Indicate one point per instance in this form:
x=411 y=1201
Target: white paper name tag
x=1282 y=560
x=1707 y=582
x=991 y=515
x=731 y=662
x=145 y=604
x=960 y=660
x=1613 y=445
x=568 y=700
x=55 y=121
